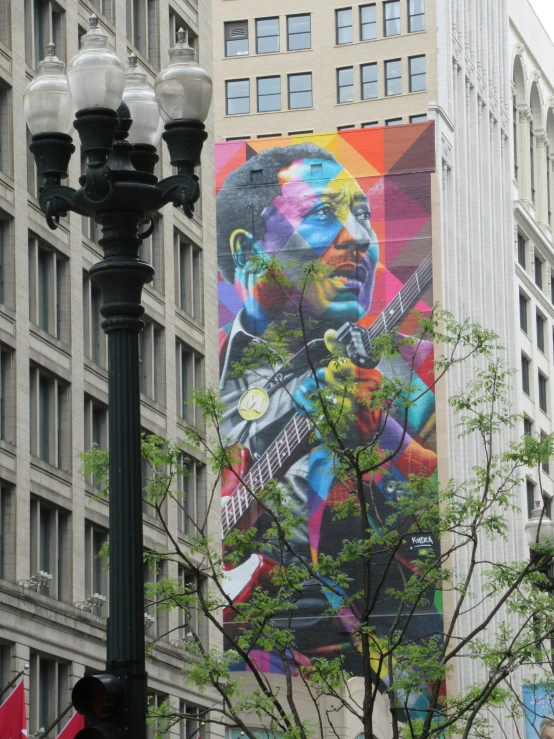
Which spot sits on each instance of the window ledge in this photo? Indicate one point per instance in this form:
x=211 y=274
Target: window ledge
x=96 y=369
x=147 y=63
x=153 y=404
x=190 y=319
x=49 y=339
x=62 y=475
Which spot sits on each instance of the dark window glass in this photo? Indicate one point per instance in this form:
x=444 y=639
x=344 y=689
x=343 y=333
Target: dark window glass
x=369 y=81
x=299 y=32
x=527 y=426
x=344 y=25
x=532 y=158
x=538 y=272
x=530 y=497
x=546 y=463
x=236 y=38
x=368 y=22
x=542 y=392
x=393 y=122
x=525 y=375
x=416 y=15
x=267 y=35
x=370 y=124
x=393 y=77
x=238 y=97
x=300 y=91
x=515 y=114
x=523 y=312
x=269 y=94
x=418 y=76
x=418 y=118
x=392 y=18
x=521 y=250
x=540 y=332
x=345 y=85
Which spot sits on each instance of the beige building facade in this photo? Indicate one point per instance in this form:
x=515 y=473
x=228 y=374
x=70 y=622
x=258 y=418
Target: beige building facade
x=316 y=66
x=53 y=384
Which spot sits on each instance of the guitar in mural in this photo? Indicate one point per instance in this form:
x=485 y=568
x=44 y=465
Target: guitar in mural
x=239 y=506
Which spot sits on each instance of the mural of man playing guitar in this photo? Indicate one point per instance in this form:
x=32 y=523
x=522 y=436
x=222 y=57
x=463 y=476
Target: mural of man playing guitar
x=299 y=203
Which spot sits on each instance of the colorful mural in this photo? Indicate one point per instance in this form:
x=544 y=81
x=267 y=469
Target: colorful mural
x=539 y=711
x=359 y=201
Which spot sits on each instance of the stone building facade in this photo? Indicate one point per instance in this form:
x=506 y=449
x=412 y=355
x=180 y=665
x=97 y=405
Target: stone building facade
x=53 y=383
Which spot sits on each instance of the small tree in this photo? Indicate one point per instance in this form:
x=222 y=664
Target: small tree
x=512 y=600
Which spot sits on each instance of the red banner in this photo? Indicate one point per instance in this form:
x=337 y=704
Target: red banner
x=74 y=725
x=13 y=719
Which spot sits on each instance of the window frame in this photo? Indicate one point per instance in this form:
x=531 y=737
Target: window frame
x=386 y=20
x=367 y=23
x=363 y=82
x=341 y=87
x=290 y=77
x=412 y=15
x=272 y=36
x=227 y=32
x=272 y=94
x=339 y=28
x=388 y=79
x=414 y=76
x=228 y=83
x=299 y=33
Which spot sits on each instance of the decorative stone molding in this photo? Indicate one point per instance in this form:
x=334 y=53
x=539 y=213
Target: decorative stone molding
x=542 y=140
x=535 y=75
x=520 y=48
x=525 y=115
x=446 y=151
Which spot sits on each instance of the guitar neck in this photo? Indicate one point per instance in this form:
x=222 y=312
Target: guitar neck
x=298 y=429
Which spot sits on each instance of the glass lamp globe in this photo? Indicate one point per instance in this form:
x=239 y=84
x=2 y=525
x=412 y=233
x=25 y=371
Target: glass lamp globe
x=140 y=98
x=46 y=101
x=532 y=528
x=183 y=88
x=96 y=74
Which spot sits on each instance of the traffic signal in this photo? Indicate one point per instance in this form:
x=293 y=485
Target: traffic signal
x=102 y=699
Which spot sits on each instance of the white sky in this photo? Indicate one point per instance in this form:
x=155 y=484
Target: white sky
x=545 y=11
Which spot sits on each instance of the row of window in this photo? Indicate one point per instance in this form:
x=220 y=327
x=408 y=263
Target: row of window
x=300 y=92
x=299 y=28
x=539 y=266
x=540 y=323
x=542 y=383
x=420 y=118
x=50 y=694
x=44 y=22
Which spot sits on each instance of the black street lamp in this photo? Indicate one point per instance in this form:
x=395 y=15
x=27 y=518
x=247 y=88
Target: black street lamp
x=118 y=122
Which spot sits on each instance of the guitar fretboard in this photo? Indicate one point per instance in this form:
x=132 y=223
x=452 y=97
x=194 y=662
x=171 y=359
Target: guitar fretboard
x=298 y=428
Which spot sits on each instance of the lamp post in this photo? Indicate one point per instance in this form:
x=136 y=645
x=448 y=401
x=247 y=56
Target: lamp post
x=118 y=121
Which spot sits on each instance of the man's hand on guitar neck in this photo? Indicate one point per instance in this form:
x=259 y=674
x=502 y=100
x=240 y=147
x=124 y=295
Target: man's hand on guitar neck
x=351 y=339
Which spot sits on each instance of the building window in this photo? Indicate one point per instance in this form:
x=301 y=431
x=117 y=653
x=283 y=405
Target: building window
x=521 y=251
x=151 y=251
x=532 y=158
x=175 y=23
x=370 y=124
x=48 y=291
x=6 y=136
x=345 y=85
x=189 y=377
x=392 y=18
x=104 y=7
x=538 y=272
x=369 y=81
x=393 y=122
x=142 y=27
x=515 y=135
x=540 y=332
x=96 y=432
x=191 y=485
x=267 y=35
x=530 y=497
x=238 y=97
x=156 y=618
x=527 y=426
x=7 y=529
x=191 y=726
x=299 y=32
x=236 y=38
x=50 y=418
x=96 y=576
x=393 y=77
x=523 y=302
x=7 y=393
x=418 y=76
x=546 y=463
x=350 y=127
x=43 y=23
x=152 y=361
x=543 y=404
x=94 y=338
x=418 y=118
x=49 y=547
x=525 y=375
x=368 y=22
x=269 y=94
x=343 y=21
x=188 y=277
x=156 y=701
x=191 y=625
x=49 y=693
x=416 y=15
x=300 y=91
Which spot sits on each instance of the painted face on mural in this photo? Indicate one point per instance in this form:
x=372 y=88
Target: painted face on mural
x=321 y=214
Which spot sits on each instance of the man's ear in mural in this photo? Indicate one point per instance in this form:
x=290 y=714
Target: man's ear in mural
x=241 y=243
